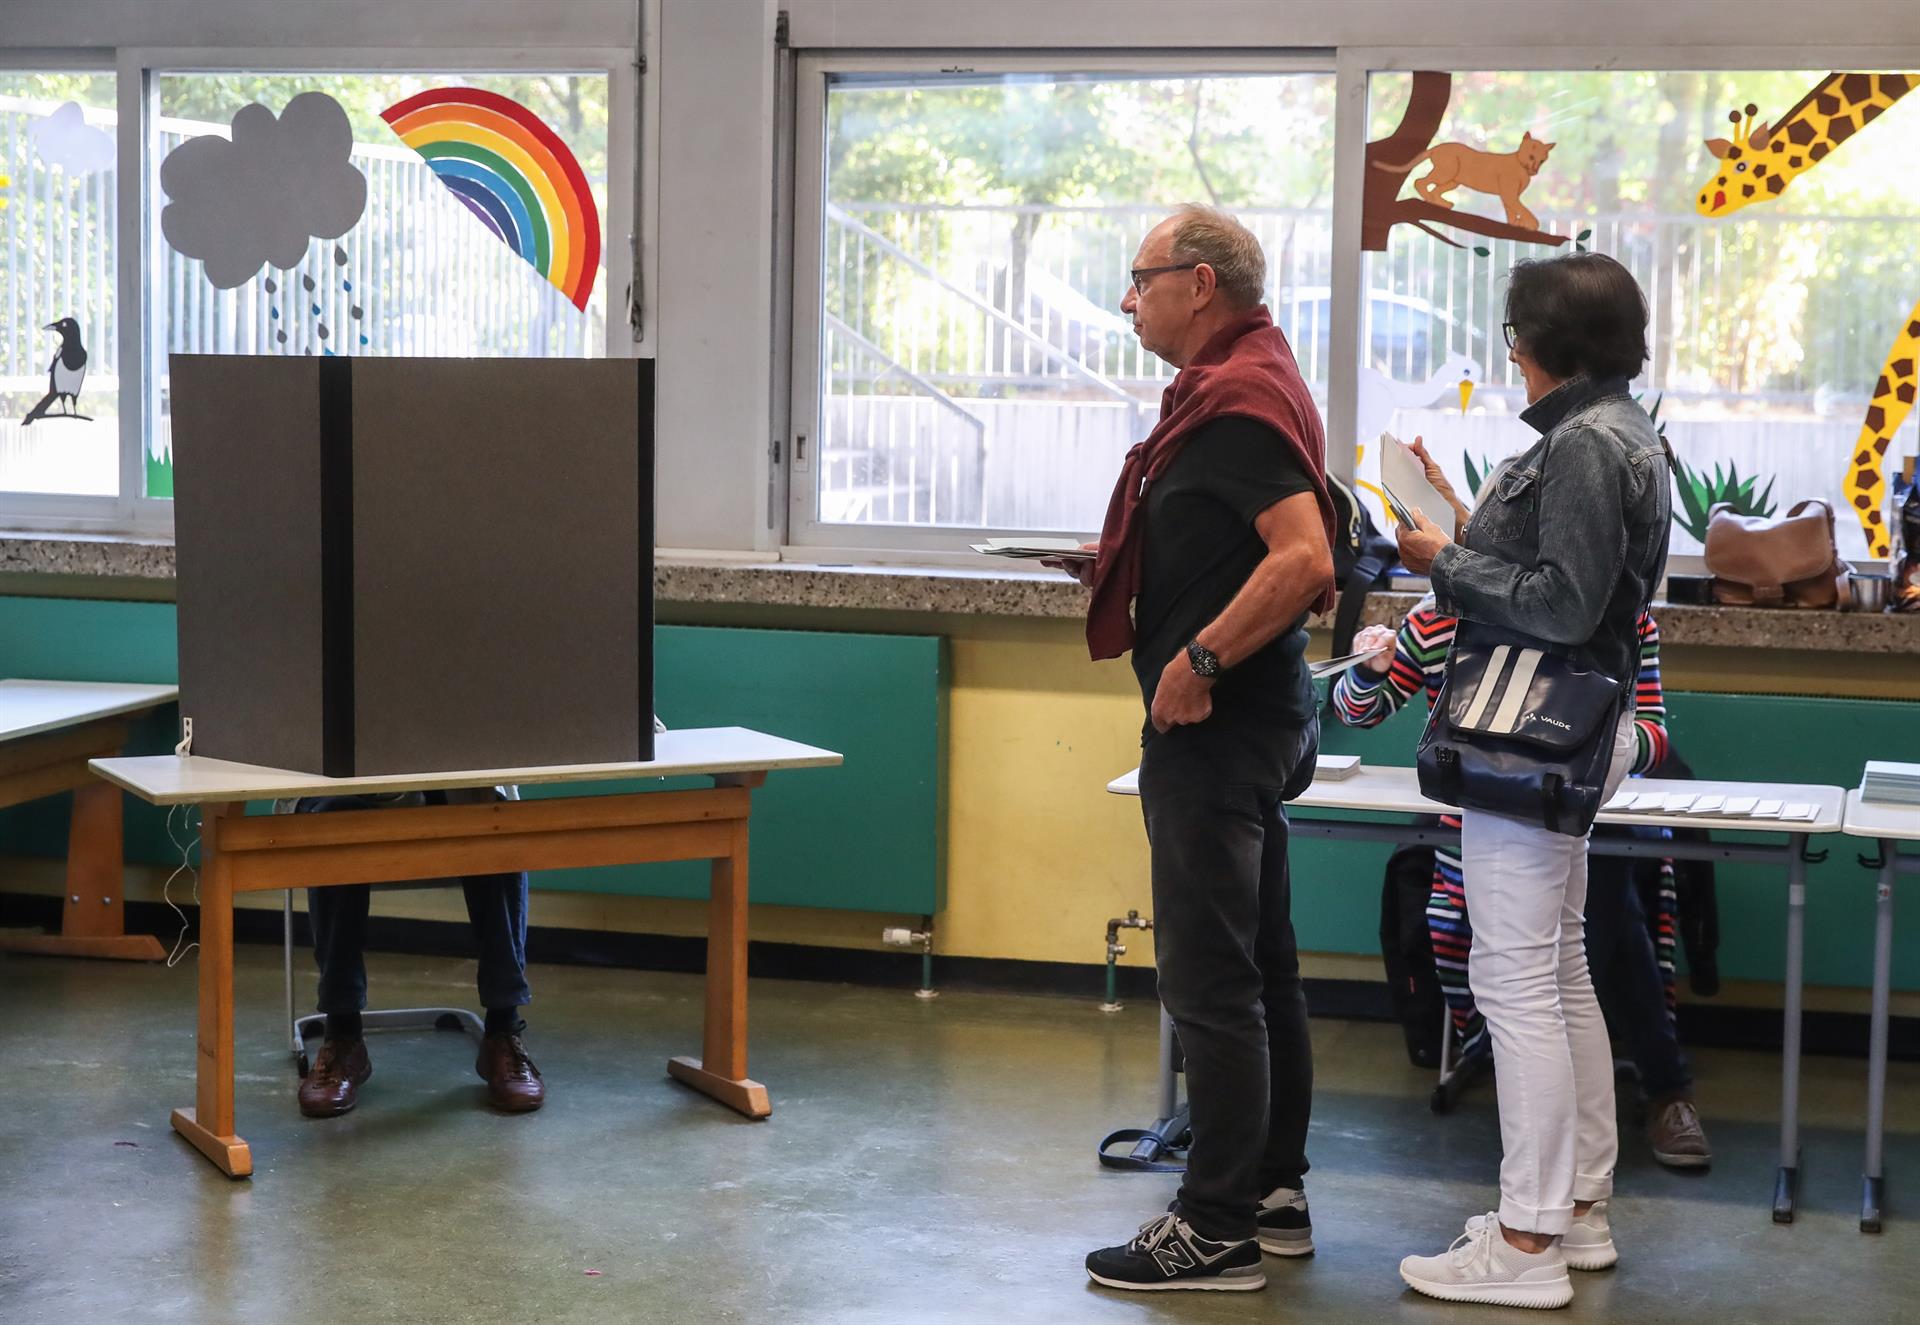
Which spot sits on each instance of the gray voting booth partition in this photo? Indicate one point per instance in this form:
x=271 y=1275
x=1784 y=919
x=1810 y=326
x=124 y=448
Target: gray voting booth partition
x=414 y=565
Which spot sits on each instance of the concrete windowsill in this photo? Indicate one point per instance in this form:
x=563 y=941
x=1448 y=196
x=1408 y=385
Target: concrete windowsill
x=987 y=592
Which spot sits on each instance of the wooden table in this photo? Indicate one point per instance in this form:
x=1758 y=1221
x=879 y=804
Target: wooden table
x=240 y=854
x=1388 y=790
x=1888 y=826
x=48 y=732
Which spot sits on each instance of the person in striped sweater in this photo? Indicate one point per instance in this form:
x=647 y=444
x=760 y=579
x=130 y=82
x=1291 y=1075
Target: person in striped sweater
x=1377 y=689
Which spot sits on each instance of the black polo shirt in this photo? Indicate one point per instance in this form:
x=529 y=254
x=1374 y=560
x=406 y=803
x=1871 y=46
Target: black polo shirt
x=1201 y=546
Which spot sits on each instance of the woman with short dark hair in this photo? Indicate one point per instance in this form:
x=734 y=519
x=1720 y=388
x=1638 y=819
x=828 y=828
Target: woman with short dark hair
x=1565 y=549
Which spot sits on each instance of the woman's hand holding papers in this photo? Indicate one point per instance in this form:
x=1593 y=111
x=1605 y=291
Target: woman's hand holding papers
x=1421 y=543
x=1442 y=485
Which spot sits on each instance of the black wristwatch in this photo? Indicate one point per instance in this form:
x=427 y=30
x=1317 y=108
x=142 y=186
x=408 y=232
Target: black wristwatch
x=1203 y=661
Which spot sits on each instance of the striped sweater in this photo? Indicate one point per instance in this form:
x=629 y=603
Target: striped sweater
x=1362 y=699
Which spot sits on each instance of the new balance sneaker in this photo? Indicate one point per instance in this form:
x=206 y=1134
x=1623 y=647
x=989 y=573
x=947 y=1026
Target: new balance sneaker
x=1285 y=1228
x=1587 y=1245
x=1482 y=1266
x=1167 y=1253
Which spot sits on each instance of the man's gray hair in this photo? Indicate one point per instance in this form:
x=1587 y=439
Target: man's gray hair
x=1210 y=235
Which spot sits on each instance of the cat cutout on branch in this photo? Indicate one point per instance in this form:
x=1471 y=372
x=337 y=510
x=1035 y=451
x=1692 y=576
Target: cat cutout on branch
x=1505 y=175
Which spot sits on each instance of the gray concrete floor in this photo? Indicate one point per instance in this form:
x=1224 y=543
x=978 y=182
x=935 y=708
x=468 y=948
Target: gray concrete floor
x=925 y=1162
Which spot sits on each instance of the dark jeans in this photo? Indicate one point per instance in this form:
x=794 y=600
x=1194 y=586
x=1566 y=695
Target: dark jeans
x=1630 y=985
x=1229 y=972
x=496 y=907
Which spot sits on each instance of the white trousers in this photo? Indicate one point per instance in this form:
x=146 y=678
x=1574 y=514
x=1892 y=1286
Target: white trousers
x=1527 y=893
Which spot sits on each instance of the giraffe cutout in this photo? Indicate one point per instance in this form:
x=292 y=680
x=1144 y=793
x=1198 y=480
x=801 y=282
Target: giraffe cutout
x=1757 y=165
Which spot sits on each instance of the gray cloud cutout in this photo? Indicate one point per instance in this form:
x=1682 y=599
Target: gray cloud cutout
x=263 y=197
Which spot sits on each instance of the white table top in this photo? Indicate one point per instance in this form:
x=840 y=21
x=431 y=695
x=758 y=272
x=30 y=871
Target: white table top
x=194 y=779
x=1899 y=823
x=29 y=708
x=1383 y=790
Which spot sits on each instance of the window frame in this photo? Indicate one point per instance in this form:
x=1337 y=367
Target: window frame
x=807 y=538
x=137 y=241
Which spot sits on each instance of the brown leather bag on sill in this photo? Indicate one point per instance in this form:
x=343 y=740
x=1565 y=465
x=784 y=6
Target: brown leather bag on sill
x=1789 y=562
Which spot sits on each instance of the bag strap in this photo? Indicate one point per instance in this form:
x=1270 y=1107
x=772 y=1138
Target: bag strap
x=1368 y=574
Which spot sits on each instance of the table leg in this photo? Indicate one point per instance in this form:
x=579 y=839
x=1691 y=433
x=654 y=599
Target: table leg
x=1788 y=1175
x=93 y=911
x=209 y=1124
x=721 y=1071
x=1870 y=1194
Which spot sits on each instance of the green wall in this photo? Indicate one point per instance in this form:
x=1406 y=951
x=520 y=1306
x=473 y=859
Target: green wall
x=1767 y=738
x=864 y=836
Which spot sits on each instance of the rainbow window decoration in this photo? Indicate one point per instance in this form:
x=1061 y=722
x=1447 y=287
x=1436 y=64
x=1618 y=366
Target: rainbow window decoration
x=514 y=173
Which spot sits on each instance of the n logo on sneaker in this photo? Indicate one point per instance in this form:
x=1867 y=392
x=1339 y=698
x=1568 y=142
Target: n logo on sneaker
x=1174 y=1257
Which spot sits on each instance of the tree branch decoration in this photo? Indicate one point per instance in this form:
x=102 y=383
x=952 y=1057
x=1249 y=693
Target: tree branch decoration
x=1391 y=159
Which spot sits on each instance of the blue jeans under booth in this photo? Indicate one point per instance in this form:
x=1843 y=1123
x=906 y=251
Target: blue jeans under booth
x=496 y=908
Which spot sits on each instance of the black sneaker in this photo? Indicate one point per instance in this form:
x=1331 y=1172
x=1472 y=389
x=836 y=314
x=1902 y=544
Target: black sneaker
x=1285 y=1227
x=1167 y=1253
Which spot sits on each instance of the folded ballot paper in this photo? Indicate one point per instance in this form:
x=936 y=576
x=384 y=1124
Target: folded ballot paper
x=1320 y=671
x=1032 y=549
x=1632 y=800
x=1404 y=479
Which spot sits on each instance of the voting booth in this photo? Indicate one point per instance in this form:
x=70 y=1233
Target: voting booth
x=414 y=565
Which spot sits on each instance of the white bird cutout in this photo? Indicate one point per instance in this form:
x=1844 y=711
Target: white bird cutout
x=1379 y=396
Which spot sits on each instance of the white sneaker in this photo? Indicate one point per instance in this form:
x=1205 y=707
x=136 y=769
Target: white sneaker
x=1482 y=1266
x=1588 y=1245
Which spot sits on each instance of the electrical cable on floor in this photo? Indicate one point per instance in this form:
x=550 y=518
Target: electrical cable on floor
x=188 y=823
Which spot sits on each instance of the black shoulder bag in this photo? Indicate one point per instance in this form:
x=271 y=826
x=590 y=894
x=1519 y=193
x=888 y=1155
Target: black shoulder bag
x=1519 y=730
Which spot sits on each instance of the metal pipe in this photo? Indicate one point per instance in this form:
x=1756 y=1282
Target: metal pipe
x=1116 y=950
x=902 y=937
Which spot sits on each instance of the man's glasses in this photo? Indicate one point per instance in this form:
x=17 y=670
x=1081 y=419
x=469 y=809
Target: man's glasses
x=1511 y=332
x=1141 y=275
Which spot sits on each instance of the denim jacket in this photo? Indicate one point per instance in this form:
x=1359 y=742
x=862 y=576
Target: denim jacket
x=1570 y=537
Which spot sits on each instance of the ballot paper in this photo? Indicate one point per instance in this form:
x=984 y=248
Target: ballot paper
x=1335 y=768
x=1649 y=802
x=1032 y=549
x=1320 y=671
x=1708 y=805
x=1404 y=480
x=1740 y=806
x=1768 y=809
x=1622 y=800
x=1676 y=804
x=1799 y=810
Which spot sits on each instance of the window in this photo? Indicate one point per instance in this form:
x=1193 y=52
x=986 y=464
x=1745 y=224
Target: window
x=1772 y=318
x=968 y=365
x=59 y=305
x=475 y=237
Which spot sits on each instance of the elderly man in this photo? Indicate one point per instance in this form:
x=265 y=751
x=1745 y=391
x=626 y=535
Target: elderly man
x=1216 y=546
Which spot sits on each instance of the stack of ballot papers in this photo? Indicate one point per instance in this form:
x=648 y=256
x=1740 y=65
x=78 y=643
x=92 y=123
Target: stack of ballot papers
x=1894 y=784
x=1032 y=549
x=1335 y=768
x=1708 y=806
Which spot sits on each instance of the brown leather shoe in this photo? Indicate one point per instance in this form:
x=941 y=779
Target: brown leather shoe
x=513 y=1082
x=1679 y=1141
x=333 y=1085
